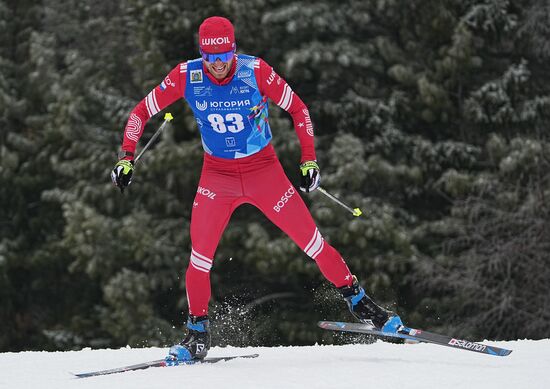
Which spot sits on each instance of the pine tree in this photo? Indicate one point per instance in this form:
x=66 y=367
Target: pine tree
x=496 y=241
x=429 y=116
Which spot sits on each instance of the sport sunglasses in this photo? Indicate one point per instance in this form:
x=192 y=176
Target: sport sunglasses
x=224 y=57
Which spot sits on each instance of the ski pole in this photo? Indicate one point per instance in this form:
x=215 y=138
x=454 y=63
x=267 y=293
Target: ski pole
x=167 y=118
x=354 y=211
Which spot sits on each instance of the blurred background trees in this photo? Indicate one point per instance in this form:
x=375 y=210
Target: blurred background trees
x=430 y=116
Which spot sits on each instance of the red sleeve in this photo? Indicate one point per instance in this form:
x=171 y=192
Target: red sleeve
x=276 y=88
x=171 y=89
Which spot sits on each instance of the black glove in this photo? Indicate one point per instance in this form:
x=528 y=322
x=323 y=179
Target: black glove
x=122 y=173
x=310 y=178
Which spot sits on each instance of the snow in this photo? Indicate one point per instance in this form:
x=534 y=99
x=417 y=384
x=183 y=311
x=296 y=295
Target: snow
x=379 y=365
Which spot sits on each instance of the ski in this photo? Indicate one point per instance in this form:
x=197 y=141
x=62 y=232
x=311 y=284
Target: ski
x=160 y=363
x=416 y=335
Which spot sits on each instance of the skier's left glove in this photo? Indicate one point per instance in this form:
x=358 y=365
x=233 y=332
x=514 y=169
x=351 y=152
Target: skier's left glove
x=310 y=177
x=122 y=173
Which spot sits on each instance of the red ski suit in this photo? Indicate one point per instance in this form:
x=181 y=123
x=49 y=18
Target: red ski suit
x=257 y=179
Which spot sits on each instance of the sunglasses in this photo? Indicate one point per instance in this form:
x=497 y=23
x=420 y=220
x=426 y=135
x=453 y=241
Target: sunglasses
x=224 y=57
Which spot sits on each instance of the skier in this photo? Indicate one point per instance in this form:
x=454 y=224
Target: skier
x=228 y=93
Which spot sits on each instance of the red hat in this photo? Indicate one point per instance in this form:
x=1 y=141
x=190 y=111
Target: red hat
x=216 y=35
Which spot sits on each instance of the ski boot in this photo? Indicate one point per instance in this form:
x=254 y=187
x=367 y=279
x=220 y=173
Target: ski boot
x=195 y=345
x=367 y=311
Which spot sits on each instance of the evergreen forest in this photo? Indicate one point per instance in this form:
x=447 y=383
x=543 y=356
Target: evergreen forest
x=430 y=116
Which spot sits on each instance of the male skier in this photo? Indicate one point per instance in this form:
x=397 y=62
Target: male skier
x=228 y=93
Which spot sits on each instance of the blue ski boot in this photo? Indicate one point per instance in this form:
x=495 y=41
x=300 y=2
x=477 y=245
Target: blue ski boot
x=195 y=345
x=367 y=311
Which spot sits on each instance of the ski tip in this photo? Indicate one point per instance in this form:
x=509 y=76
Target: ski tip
x=503 y=352
x=241 y=356
x=80 y=375
x=330 y=324
x=86 y=375
x=324 y=324
x=249 y=356
x=497 y=351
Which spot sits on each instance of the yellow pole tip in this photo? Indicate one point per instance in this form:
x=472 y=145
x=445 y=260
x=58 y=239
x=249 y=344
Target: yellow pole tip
x=357 y=212
x=168 y=116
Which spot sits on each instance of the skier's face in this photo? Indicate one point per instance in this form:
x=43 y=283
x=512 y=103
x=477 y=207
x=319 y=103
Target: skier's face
x=219 y=69
x=219 y=64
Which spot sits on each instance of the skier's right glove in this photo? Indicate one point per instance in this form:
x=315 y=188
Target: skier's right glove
x=122 y=173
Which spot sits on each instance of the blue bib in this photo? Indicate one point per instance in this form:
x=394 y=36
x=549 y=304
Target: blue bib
x=232 y=118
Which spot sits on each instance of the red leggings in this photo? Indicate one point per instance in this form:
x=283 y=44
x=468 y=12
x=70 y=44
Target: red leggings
x=259 y=180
